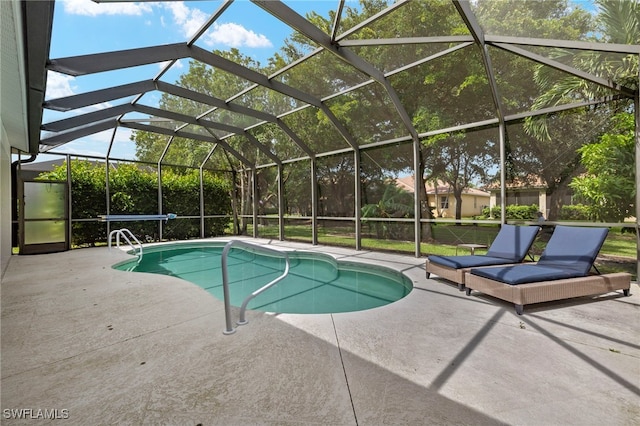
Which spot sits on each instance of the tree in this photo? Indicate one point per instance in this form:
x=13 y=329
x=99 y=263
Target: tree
x=618 y=21
x=209 y=81
x=447 y=91
x=530 y=159
x=461 y=160
x=394 y=202
x=609 y=181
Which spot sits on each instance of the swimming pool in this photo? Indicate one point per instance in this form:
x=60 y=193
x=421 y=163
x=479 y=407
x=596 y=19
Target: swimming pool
x=316 y=283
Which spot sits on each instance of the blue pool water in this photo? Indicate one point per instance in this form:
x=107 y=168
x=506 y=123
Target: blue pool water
x=316 y=283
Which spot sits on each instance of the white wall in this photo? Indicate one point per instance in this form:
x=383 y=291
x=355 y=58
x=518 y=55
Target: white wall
x=13 y=113
x=5 y=200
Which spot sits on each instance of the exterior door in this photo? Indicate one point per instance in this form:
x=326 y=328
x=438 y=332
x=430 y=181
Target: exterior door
x=43 y=217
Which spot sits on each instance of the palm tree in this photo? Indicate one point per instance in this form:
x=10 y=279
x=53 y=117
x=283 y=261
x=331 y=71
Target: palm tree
x=618 y=21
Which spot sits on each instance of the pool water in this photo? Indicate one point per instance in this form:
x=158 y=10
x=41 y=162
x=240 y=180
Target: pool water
x=316 y=282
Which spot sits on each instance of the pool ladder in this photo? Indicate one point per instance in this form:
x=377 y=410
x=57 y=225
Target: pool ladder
x=127 y=236
x=225 y=281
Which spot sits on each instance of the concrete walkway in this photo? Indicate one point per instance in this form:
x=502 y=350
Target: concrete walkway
x=98 y=346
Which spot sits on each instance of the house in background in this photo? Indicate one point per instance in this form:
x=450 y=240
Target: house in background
x=442 y=202
x=527 y=192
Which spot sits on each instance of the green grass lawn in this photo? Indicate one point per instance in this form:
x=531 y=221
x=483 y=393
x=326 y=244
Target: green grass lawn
x=617 y=254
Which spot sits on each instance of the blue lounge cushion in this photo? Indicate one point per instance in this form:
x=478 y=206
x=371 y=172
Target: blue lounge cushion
x=570 y=253
x=513 y=242
x=522 y=274
x=573 y=248
x=511 y=245
x=467 y=261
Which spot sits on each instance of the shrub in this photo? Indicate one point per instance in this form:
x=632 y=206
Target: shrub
x=135 y=191
x=513 y=212
x=575 y=212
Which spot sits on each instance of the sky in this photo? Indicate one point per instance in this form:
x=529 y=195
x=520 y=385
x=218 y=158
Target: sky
x=83 y=27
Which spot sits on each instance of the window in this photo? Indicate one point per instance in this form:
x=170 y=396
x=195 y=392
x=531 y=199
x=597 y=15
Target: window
x=444 y=202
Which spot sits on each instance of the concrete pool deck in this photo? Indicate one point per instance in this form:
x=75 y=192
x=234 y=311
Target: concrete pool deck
x=100 y=346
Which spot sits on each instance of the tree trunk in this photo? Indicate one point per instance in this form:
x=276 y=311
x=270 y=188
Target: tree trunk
x=555 y=194
x=458 y=196
x=427 y=233
x=245 y=201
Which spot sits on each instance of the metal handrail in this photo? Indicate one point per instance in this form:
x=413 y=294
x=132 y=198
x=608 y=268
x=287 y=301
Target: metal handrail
x=124 y=232
x=225 y=281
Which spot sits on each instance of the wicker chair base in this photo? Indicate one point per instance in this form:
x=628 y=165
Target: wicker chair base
x=546 y=291
x=455 y=275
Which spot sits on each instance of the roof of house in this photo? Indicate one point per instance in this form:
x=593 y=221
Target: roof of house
x=526 y=182
x=408 y=183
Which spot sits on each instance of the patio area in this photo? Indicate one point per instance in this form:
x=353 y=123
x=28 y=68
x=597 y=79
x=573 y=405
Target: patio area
x=99 y=346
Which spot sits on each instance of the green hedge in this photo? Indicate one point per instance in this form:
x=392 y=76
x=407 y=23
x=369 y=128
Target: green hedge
x=513 y=212
x=575 y=212
x=134 y=190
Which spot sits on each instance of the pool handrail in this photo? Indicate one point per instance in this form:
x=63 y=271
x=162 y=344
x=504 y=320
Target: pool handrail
x=124 y=232
x=225 y=281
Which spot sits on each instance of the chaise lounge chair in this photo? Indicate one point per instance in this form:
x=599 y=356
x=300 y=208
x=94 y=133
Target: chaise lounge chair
x=562 y=272
x=511 y=245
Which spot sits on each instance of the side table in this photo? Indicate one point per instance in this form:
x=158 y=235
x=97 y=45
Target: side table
x=471 y=246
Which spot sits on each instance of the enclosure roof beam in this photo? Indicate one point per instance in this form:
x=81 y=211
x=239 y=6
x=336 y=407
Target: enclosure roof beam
x=202 y=98
x=348 y=137
x=566 y=68
x=294 y=20
x=176 y=116
x=99 y=96
x=231 y=67
x=294 y=137
x=165 y=131
x=233 y=152
x=84 y=119
x=407 y=40
x=205 y=123
x=464 y=9
x=372 y=19
x=260 y=79
x=492 y=122
x=186 y=135
x=208 y=156
x=110 y=61
x=336 y=21
x=65 y=137
x=255 y=142
x=632 y=49
x=560 y=108
x=87 y=64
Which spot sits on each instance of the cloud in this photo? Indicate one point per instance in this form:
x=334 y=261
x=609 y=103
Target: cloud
x=190 y=20
x=177 y=64
x=90 y=8
x=59 y=85
x=234 y=35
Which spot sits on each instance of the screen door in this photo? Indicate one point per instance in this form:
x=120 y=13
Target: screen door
x=44 y=222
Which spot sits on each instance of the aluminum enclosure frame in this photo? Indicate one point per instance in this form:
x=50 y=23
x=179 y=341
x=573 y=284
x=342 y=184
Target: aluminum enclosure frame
x=76 y=127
